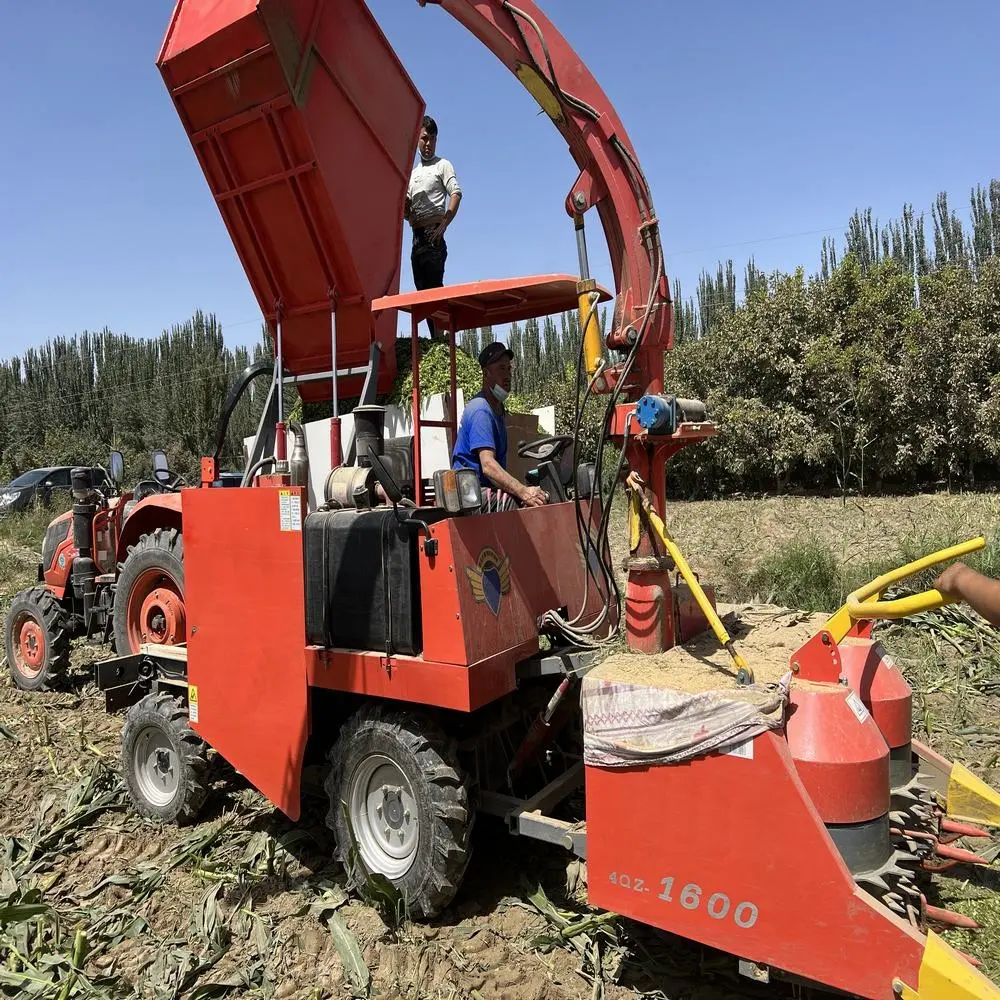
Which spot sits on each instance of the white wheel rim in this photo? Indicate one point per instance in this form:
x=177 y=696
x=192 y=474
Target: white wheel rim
x=155 y=766
x=383 y=813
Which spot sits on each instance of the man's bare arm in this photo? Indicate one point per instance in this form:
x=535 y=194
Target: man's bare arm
x=531 y=496
x=980 y=592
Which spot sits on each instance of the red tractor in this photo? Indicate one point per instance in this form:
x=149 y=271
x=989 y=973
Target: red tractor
x=109 y=537
x=440 y=657
x=112 y=567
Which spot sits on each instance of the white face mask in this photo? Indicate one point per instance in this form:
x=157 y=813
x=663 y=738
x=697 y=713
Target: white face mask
x=500 y=393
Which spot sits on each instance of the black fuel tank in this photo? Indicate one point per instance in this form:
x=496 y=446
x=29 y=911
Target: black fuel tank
x=362 y=581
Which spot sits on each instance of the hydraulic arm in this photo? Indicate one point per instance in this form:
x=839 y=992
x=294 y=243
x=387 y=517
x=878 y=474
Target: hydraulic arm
x=610 y=178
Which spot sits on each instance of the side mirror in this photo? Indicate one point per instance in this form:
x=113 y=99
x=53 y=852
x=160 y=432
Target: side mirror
x=161 y=471
x=116 y=468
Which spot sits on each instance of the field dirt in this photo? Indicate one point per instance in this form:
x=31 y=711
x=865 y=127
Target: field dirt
x=245 y=903
x=764 y=635
x=266 y=901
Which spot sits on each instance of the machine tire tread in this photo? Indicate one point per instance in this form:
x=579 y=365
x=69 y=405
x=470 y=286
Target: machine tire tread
x=168 y=542
x=435 y=758
x=168 y=712
x=41 y=603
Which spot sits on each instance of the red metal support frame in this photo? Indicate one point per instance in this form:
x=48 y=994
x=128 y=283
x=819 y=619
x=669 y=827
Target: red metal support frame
x=418 y=479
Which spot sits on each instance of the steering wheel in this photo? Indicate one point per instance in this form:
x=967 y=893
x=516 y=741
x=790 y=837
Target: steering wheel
x=171 y=483
x=545 y=449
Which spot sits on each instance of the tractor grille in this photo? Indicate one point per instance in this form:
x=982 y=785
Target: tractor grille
x=55 y=535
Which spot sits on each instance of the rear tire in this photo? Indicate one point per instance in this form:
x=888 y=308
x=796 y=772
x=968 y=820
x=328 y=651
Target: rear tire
x=149 y=596
x=397 y=772
x=36 y=639
x=164 y=761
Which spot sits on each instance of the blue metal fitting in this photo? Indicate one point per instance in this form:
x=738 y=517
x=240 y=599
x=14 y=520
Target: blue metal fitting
x=657 y=414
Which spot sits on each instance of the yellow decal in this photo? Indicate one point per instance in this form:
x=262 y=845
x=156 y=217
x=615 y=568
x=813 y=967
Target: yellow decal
x=970 y=799
x=192 y=702
x=540 y=91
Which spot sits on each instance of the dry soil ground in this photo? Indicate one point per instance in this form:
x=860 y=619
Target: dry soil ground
x=245 y=904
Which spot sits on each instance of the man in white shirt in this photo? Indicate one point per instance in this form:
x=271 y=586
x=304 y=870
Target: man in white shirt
x=432 y=201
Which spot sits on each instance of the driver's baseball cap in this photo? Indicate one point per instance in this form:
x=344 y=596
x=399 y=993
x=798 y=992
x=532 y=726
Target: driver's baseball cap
x=493 y=353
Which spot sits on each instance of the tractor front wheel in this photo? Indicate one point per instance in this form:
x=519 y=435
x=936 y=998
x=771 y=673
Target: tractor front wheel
x=164 y=761
x=36 y=637
x=149 y=596
x=398 y=778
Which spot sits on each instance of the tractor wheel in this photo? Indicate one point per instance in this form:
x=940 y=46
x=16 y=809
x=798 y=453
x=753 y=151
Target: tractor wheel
x=149 y=596
x=36 y=636
x=164 y=761
x=398 y=776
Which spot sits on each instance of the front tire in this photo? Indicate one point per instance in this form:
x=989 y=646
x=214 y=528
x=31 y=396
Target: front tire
x=164 y=761
x=149 y=596
x=408 y=800
x=36 y=639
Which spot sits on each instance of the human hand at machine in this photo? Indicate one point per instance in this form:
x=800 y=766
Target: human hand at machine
x=528 y=496
x=980 y=592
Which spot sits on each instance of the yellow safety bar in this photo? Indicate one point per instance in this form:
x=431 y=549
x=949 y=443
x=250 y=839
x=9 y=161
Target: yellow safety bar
x=744 y=674
x=858 y=607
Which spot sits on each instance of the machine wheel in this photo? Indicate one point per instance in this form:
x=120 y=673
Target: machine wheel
x=36 y=636
x=164 y=761
x=149 y=597
x=408 y=800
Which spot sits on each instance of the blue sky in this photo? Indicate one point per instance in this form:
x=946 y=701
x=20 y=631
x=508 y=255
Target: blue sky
x=752 y=121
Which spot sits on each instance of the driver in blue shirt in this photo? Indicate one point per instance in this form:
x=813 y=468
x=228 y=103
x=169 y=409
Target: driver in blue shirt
x=481 y=443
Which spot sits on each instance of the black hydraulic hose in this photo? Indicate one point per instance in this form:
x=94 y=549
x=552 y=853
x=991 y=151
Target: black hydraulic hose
x=259 y=464
x=599 y=545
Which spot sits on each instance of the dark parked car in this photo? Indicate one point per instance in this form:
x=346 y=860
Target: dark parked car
x=43 y=486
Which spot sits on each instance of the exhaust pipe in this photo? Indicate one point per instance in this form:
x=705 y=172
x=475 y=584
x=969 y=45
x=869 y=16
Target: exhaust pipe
x=84 y=574
x=299 y=461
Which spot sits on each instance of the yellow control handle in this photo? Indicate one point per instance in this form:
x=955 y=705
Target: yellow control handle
x=858 y=607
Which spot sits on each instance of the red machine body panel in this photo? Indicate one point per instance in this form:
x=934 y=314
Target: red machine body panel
x=767 y=885
x=244 y=591
x=412 y=678
x=494 y=576
x=480 y=598
x=305 y=125
x=873 y=674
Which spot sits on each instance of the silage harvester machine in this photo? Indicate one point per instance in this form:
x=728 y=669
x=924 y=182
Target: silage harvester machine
x=444 y=661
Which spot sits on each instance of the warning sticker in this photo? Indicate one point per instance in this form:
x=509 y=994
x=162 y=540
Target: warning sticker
x=888 y=661
x=744 y=750
x=289 y=510
x=192 y=702
x=857 y=707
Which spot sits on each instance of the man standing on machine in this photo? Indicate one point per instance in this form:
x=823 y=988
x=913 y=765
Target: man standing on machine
x=481 y=443
x=432 y=201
